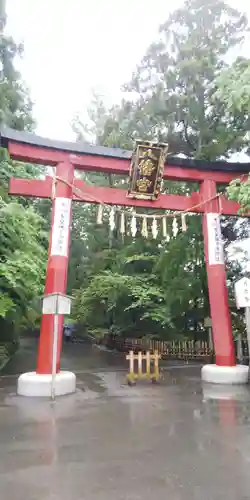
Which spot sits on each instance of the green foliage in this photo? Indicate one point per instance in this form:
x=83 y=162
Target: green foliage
x=234 y=87
x=15 y=103
x=23 y=239
x=176 y=80
x=23 y=244
x=141 y=287
x=122 y=301
x=240 y=191
x=6 y=304
x=234 y=90
x=22 y=257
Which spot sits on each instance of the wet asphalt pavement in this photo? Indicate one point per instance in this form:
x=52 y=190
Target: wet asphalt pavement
x=176 y=440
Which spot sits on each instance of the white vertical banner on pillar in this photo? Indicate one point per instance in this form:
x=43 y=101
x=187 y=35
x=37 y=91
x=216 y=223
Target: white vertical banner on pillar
x=60 y=231
x=215 y=245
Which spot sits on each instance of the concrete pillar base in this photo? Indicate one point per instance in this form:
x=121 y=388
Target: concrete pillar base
x=225 y=374
x=33 y=384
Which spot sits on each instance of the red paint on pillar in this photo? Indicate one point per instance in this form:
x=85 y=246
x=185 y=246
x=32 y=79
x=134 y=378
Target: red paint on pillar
x=56 y=277
x=217 y=288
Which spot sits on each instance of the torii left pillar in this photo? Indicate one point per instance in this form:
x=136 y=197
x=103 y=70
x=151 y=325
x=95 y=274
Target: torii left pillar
x=39 y=383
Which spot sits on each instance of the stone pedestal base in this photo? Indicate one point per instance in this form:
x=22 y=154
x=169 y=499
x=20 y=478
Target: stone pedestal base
x=34 y=385
x=225 y=374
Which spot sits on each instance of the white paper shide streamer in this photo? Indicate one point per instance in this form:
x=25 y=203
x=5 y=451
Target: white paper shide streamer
x=112 y=219
x=154 y=228
x=133 y=226
x=183 y=223
x=156 y=225
x=175 y=227
x=122 y=224
x=144 y=229
x=100 y=215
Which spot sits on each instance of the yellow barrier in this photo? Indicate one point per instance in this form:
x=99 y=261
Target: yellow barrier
x=154 y=376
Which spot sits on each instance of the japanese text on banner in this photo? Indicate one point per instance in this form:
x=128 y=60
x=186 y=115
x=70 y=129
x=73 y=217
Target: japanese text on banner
x=60 y=233
x=215 y=245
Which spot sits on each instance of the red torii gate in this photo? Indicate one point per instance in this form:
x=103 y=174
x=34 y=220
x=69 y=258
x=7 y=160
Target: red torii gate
x=67 y=157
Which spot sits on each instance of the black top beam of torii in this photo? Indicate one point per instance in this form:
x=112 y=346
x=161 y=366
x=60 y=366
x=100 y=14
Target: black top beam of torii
x=8 y=135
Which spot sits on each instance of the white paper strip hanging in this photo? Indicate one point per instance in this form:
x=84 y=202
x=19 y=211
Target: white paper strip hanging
x=183 y=223
x=154 y=228
x=144 y=230
x=133 y=226
x=164 y=227
x=99 y=214
x=122 y=224
x=175 y=227
x=112 y=219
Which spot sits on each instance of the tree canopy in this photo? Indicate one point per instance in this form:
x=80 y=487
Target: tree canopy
x=234 y=89
x=23 y=239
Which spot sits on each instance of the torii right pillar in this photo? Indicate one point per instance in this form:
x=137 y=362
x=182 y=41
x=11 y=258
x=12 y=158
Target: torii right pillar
x=225 y=371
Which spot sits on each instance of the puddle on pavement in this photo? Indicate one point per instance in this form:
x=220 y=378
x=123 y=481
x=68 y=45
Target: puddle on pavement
x=91 y=382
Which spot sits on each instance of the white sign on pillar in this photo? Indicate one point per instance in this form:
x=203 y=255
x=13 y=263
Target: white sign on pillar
x=242 y=293
x=215 y=245
x=60 y=231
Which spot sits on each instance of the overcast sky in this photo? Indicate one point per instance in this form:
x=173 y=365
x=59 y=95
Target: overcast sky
x=74 y=46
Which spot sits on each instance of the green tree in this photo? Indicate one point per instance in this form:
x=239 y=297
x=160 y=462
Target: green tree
x=23 y=239
x=177 y=79
x=240 y=191
x=234 y=88
x=22 y=257
x=15 y=103
x=125 y=303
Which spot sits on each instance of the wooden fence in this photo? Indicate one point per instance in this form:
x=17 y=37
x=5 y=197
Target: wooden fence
x=176 y=350
x=185 y=350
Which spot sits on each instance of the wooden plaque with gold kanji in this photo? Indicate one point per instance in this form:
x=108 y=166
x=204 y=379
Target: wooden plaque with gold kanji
x=146 y=170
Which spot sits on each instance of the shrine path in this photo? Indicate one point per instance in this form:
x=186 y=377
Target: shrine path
x=177 y=440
